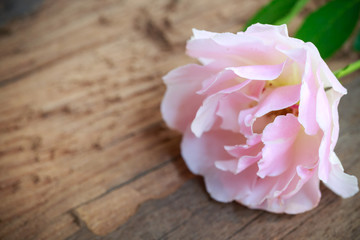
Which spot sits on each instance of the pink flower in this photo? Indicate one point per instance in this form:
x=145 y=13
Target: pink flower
x=259 y=119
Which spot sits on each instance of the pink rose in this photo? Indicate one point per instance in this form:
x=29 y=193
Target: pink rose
x=259 y=119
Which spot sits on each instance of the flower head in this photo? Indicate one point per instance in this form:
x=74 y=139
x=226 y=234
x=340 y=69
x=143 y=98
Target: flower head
x=259 y=118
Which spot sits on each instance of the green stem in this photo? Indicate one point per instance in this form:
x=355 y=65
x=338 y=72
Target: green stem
x=352 y=67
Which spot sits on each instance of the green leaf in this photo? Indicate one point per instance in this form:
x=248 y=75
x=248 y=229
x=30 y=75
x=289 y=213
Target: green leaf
x=277 y=12
x=357 y=42
x=330 y=26
x=292 y=13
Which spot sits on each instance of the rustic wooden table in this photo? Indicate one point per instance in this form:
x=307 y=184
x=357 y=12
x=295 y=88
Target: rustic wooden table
x=84 y=151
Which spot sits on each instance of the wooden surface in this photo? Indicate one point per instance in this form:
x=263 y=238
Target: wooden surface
x=84 y=151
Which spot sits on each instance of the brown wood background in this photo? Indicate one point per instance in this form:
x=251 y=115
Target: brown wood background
x=84 y=151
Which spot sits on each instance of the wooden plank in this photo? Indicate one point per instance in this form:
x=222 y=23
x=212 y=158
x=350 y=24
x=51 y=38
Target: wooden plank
x=80 y=89
x=60 y=228
x=189 y=213
x=68 y=28
x=104 y=214
x=80 y=112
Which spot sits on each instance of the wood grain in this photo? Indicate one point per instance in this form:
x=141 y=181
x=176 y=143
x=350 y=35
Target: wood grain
x=124 y=200
x=189 y=213
x=84 y=150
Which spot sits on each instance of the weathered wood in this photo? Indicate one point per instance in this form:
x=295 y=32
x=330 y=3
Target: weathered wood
x=190 y=214
x=59 y=228
x=82 y=142
x=105 y=213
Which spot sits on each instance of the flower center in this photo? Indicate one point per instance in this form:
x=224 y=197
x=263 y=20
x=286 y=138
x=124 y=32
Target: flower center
x=294 y=109
x=268 y=118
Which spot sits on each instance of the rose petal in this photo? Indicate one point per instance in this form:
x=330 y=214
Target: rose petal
x=303 y=175
x=239 y=151
x=254 y=89
x=334 y=98
x=229 y=109
x=246 y=156
x=223 y=79
x=237 y=50
x=181 y=102
x=278 y=138
x=206 y=115
x=258 y=72
x=202 y=34
x=307 y=106
x=201 y=153
x=261 y=28
x=339 y=182
x=305 y=199
x=225 y=186
x=323 y=117
x=277 y=99
x=238 y=165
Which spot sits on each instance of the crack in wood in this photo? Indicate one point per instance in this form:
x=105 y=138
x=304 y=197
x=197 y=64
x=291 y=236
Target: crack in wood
x=133 y=179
